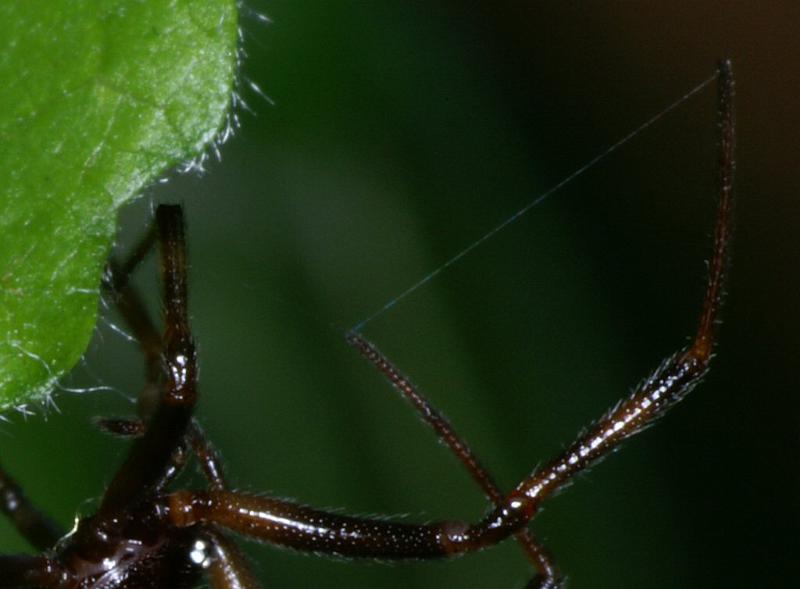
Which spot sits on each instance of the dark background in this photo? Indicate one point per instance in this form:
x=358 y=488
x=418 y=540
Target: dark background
x=402 y=132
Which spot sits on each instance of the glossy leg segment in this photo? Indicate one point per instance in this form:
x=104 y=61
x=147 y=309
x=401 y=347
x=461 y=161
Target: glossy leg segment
x=138 y=320
x=302 y=528
x=152 y=453
x=32 y=524
x=229 y=568
x=680 y=373
x=537 y=554
x=29 y=571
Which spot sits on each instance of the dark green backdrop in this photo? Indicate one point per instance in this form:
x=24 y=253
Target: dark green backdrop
x=402 y=131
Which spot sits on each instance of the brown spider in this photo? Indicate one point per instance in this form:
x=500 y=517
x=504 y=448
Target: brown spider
x=146 y=535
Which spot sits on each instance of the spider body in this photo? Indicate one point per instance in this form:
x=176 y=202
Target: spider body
x=147 y=535
x=127 y=550
x=134 y=550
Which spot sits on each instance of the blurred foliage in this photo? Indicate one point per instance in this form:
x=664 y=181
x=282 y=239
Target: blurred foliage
x=402 y=131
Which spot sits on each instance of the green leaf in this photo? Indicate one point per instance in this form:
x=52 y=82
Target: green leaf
x=97 y=99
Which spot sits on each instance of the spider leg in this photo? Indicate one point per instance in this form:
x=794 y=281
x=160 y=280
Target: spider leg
x=122 y=272
x=151 y=454
x=549 y=577
x=203 y=449
x=138 y=320
x=132 y=308
x=285 y=523
x=36 y=527
x=303 y=528
x=207 y=456
x=29 y=571
x=134 y=428
x=229 y=568
x=678 y=374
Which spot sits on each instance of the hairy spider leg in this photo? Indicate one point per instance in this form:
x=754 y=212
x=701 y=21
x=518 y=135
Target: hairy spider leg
x=681 y=372
x=134 y=312
x=36 y=527
x=307 y=529
x=228 y=568
x=151 y=453
x=549 y=577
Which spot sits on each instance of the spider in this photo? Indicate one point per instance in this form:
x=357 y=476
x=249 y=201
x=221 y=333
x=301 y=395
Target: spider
x=145 y=534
